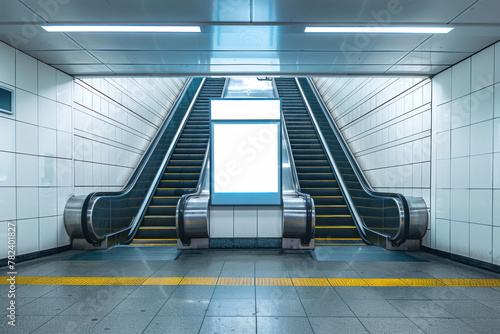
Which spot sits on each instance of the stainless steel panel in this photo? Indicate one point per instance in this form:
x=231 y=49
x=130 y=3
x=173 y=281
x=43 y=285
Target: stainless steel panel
x=64 y=57
x=433 y=58
x=131 y=11
x=74 y=69
x=358 y=11
x=73 y=216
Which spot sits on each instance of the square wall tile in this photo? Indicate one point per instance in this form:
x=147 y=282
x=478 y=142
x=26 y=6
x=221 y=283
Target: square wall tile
x=460 y=79
x=481 y=173
x=221 y=222
x=461 y=112
x=47 y=142
x=3 y=227
x=481 y=206
x=26 y=107
x=64 y=145
x=460 y=173
x=443 y=235
x=497 y=62
x=496 y=135
x=496 y=170
x=443 y=204
x=460 y=142
x=27 y=203
x=47 y=81
x=442 y=144
x=27 y=170
x=48 y=233
x=481 y=105
x=443 y=173
x=8 y=131
x=64 y=173
x=443 y=117
x=481 y=247
x=441 y=86
x=47 y=199
x=47 y=113
x=496 y=103
x=481 y=140
x=496 y=246
x=27 y=236
x=26 y=72
x=245 y=222
x=64 y=88
x=482 y=69
x=270 y=221
x=26 y=138
x=7 y=203
x=460 y=238
x=47 y=171
x=460 y=205
x=64 y=117
x=7 y=169
x=496 y=208
x=7 y=65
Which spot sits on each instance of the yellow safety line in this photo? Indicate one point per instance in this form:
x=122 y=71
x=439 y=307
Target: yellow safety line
x=344 y=239
x=162 y=244
x=154 y=239
x=338 y=244
x=259 y=281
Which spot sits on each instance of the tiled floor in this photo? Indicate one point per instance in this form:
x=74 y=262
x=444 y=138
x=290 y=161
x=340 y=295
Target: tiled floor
x=254 y=308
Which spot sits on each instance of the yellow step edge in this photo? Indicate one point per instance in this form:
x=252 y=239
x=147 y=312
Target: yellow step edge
x=159 y=244
x=340 y=244
x=154 y=239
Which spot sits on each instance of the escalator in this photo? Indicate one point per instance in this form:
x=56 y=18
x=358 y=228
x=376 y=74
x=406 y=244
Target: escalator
x=334 y=223
x=182 y=172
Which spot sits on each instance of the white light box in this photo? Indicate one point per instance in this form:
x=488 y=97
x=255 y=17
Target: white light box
x=245 y=152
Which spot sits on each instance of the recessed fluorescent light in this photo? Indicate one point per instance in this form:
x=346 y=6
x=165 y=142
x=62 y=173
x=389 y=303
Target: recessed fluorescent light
x=129 y=28
x=382 y=30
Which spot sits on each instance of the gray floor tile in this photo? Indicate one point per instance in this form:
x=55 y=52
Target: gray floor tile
x=185 y=307
x=69 y=324
x=399 y=292
x=231 y=307
x=92 y=306
x=337 y=326
x=420 y=309
x=442 y=326
x=123 y=324
x=316 y=292
x=24 y=324
x=153 y=291
x=326 y=308
x=276 y=292
x=47 y=306
x=493 y=304
x=487 y=326
x=175 y=324
x=237 y=273
x=483 y=293
x=441 y=293
x=213 y=325
x=192 y=291
x=358 y=292
x=467 y=309
x=228 y=291
x=272 y=273
x=35 y=290
x=19 y=303
x=390 y=326
x=283 y=325
x=280 y=307
x=373 y=308
x=146 y=306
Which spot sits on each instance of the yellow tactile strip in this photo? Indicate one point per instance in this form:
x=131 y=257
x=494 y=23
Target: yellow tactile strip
x=250 y=281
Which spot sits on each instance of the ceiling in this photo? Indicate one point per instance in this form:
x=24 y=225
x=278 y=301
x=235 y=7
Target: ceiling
x=250 y=36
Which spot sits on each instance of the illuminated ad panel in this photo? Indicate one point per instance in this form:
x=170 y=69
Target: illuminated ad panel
x=245 y=146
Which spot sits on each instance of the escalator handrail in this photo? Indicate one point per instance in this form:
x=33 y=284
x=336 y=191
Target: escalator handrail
x=400 y=200
x=145 y=204
x=181 y=205
x=87 y=227
x=357 y=218
x=295 y=179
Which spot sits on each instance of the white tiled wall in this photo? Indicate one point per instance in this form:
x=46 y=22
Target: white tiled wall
x=55 y=145
x=466 y=159
x=387 y=124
